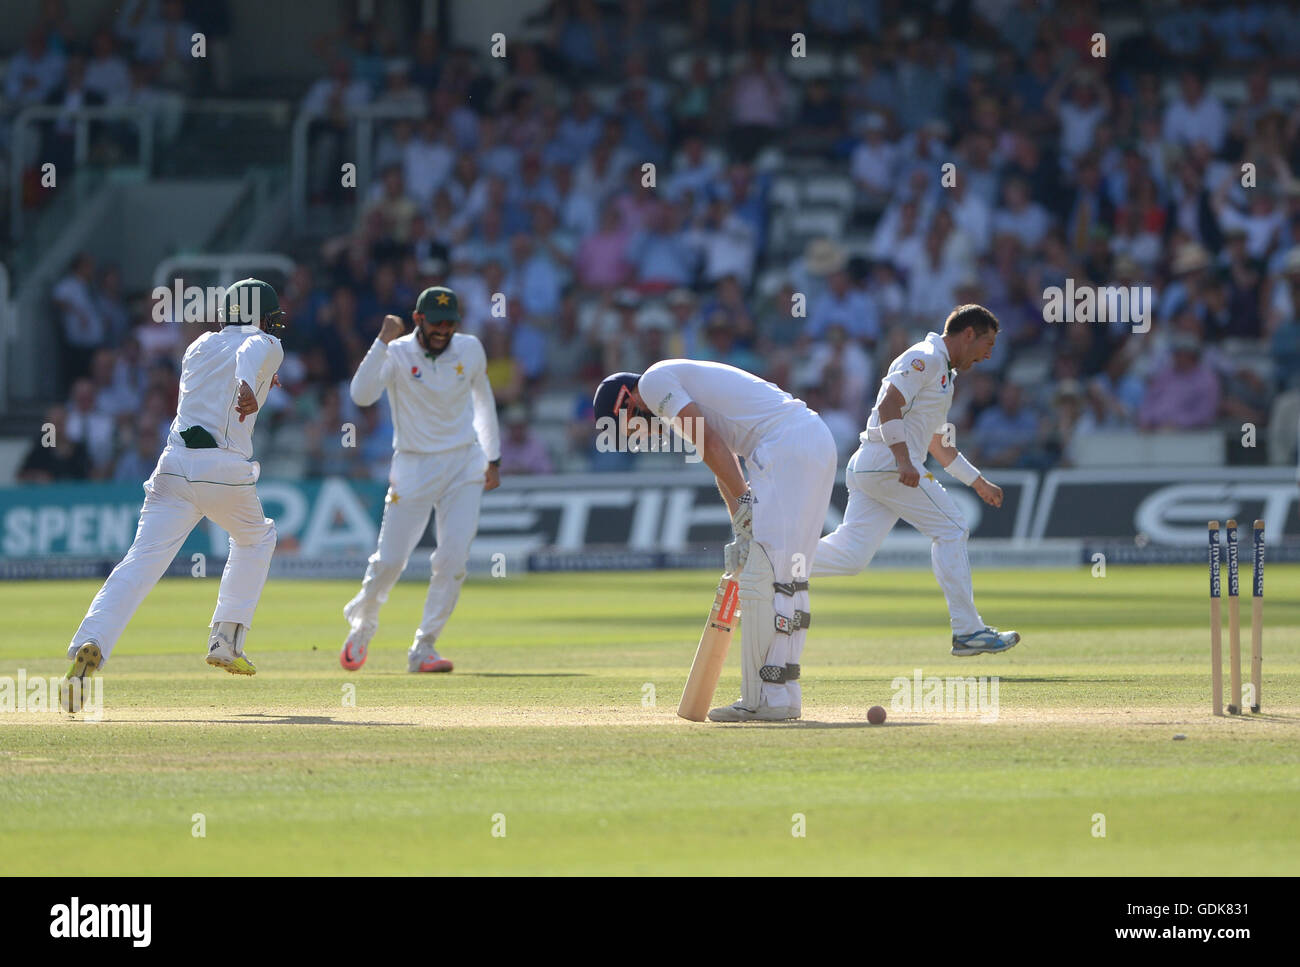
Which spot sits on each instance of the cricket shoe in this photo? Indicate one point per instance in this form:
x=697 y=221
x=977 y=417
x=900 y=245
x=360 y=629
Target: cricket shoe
x=986 y=641
x=226 y=650
x=423 y=657
x=355 y=649
x=86 y=660
x=765 y=713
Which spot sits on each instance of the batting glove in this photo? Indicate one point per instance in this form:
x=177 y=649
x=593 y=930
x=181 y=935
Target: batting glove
x=734 y=556
x=742 y=521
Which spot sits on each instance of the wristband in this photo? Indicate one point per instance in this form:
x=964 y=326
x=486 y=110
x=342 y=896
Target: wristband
x=961 y=469
x=892 y=432
x=496 y=462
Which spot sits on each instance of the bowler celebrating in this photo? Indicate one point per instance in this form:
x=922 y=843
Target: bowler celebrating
x=205 y=470
x=446 y=452
x=885 y=482
x=776 y=515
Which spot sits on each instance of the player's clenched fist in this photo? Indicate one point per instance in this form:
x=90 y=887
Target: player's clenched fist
x=991 y=494
x=392 y=329
x=246 y=401
x=908 y=475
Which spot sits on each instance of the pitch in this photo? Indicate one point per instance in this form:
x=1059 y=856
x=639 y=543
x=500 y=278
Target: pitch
x=554 y=747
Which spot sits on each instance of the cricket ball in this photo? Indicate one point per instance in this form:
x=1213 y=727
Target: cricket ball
x=876 y=715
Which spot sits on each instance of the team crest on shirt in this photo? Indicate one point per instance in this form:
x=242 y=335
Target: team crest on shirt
x=918 y=365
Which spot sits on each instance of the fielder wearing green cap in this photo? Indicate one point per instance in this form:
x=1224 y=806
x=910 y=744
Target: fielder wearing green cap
x=446 y=448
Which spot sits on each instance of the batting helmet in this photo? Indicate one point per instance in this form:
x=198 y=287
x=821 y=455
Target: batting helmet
x=254 y=302
x=613 y=395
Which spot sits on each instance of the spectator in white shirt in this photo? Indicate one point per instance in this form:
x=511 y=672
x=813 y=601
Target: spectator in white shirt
x=165 y=43
x=34 y=73
x=82 y=323
x=899 y=230
x=1019 y=216
x=1262 y=222
x=1086 y=106
x=91 y=427
x=398 y=90
x=336 y=95
x=726 y=243
x=1196 y=115
x=874 y=164
x=331 y=99
x=971 y=215
x=106 y=72
x=427 y=162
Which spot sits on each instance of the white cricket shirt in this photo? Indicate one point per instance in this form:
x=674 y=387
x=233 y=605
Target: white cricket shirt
x=924 y=376
x=737 y=405
x=211 y=371
x=438 y=402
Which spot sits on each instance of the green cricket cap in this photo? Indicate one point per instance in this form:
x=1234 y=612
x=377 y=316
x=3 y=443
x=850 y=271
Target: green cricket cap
x=438 y=302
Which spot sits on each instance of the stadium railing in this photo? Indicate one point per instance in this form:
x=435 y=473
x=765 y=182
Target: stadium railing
x=141 y=117
x=361 y=122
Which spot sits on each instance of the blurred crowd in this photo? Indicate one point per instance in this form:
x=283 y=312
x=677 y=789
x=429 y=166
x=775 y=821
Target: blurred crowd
x=800 y=219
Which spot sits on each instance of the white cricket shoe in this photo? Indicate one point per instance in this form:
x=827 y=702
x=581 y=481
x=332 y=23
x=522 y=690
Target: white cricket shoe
x=226 y=650
x=764 y=713
x=423 y=657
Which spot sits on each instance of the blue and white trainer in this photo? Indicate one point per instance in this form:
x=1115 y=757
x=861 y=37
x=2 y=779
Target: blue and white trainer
x=986 y=641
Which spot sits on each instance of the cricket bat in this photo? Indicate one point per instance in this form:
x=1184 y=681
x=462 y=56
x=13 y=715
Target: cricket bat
x=712 y=652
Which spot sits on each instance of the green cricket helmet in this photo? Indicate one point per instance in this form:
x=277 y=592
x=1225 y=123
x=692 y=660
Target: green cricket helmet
x=252 y=302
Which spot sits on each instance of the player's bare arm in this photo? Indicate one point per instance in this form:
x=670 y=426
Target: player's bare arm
x=988 y=492
x=717 y=457
x=891 y=408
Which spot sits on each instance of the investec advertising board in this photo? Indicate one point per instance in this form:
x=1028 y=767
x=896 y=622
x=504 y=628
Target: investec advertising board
x=656 y=519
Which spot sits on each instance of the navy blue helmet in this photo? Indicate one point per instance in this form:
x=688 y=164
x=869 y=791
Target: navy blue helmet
x=614 y=395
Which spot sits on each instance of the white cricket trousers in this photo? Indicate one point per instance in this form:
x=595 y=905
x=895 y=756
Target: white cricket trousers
x=791 y=474
x=185 y=487
x=450 y=485
x=876 y=501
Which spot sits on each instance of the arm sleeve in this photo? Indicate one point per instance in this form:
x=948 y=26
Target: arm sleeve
x=372 y=376
x=905 y=376
x=663 y=392
x=252 y=355
x=486 y=427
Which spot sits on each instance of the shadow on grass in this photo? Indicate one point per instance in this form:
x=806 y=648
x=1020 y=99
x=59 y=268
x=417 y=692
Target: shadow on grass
x=523 y=675
x=1004 y=679
x=818 y=725
x=263 y=718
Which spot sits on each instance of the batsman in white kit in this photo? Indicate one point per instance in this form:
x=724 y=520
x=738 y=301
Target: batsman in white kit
x=205 y=470
x=886 y=480
x=777 y=515
x=446 y=453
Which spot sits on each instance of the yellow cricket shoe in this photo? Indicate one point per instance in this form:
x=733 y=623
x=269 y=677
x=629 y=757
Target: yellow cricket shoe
x=73 y=688
x=226 y=650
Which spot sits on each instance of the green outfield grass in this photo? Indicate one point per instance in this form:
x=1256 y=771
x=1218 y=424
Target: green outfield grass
x=544 y=728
